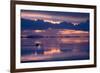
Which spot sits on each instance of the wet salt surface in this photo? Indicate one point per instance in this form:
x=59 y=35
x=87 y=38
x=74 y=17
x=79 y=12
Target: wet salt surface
x=55 y=49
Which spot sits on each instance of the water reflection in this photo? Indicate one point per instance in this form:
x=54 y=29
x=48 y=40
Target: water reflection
x=54 y=45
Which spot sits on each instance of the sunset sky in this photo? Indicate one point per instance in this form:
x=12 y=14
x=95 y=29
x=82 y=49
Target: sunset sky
x=55 y=17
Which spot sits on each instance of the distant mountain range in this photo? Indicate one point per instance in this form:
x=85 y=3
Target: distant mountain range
x=40 y=24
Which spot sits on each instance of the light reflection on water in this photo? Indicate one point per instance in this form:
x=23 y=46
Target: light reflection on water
x=55 y=49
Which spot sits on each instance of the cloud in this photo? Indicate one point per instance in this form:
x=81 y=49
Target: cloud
x=53 y=18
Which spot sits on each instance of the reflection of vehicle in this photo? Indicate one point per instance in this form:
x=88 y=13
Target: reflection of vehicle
x=39 y=48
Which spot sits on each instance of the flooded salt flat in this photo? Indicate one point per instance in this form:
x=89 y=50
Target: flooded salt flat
x=54 y=45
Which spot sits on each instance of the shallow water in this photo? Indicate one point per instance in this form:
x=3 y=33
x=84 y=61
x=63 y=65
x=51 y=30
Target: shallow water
x=54 y=46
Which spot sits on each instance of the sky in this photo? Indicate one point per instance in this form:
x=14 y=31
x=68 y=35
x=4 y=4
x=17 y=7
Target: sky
x=55 y=17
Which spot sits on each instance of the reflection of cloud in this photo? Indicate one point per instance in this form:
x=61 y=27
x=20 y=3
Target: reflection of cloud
x=73 y=40
x=52 y=51
x=67 y=55
x=33 y=57
x=74 y=32
x=63 y=36
x=82 y=36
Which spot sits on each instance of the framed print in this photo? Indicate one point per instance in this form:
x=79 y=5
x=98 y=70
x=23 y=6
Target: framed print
x=51 y=36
